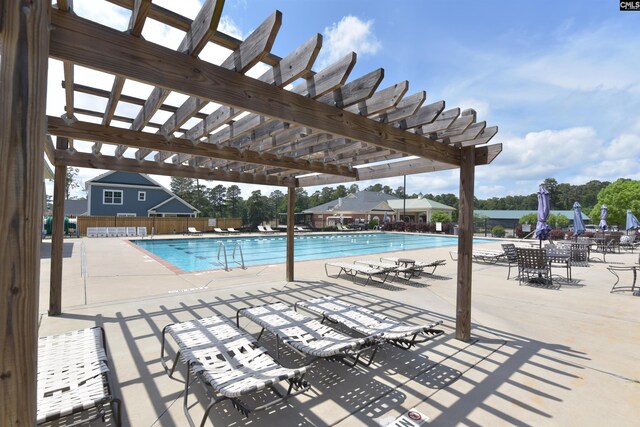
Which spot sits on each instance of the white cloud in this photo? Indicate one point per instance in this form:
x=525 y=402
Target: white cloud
x=351 y=34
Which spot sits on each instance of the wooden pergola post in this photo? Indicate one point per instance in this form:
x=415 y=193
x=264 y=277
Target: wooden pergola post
x=57 y=233
x=465 y=244
x=24 y=47
x=290 y=222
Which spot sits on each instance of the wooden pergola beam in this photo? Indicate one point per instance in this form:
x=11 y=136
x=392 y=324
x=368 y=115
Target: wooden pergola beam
x=101 y=161
x=129 y=138
x=465 y=244
x=93 y=45
x=24 y=45
x=286 y=71
x=202 y=29
x=57 y=233
x=250 y=52
x=124 y=98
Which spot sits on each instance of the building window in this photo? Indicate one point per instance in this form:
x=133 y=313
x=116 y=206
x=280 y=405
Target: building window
x=142 y=196
x=112 y=197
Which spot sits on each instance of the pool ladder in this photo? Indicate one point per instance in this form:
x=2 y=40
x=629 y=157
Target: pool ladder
x=222 y=255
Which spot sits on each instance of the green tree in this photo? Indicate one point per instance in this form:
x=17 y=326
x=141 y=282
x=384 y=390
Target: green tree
x=218 y=197
x=558 y=221
x=353 y=188
x=277 y=203
x=400 y=192
x=256 y=208
x=72 y=182
x=341 y=191
x=440 y=217
x=531 y=218
x=552 y=187
x=619 y=196
x=234 y=201
x=302 y=200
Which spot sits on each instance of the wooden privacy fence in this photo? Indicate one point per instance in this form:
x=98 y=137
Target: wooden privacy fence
x=160 y=225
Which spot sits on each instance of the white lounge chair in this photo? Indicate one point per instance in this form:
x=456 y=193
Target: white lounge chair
x=131 y=232
x=262 y=229
x=307 y=336
x=390 y=267
x=112 y=231
x=73 y=376
x=229 y=363
x=351 y=269
x=92 y=231
x=369 y=323
x=219 y=230
x=418 y=267
x=269 y=229
x=121 y=231
x=142 y=232
x=193 y=231
x=232 y=230
x=298 y=228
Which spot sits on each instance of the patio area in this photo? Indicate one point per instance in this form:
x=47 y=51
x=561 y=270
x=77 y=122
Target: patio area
x=537 y=356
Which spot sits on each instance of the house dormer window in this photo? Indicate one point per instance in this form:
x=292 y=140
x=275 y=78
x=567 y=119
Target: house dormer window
x=112 y=197
x=142 y=196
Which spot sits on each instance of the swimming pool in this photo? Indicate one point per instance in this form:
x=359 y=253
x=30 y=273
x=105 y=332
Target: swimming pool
x=202 y=254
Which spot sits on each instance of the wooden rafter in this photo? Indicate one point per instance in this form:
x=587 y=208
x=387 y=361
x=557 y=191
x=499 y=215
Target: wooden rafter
x=130 y=138
x=250 y=52
x=79 y=40
x=202 y=29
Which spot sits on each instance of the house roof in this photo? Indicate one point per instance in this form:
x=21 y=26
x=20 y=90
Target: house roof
x=506 y=214
x=418 y=205
x=362 y=201
x=75 y=207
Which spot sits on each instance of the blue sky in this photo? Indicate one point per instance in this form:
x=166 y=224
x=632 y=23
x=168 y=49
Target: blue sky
x=560 y=79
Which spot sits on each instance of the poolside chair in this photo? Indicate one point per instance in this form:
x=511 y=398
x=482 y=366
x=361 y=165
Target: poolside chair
x=262 y=229
x=131 y=232
x=193 y=231
x=368 y=323
x=533 y=266
x=353 y=270
x=73 y=377
x=418 y=267
x=390 y=267
x=269 y=229
x=112 y=231
x=232 y=230
x=308 y=337
x=219 y=230
x=298 y=228
x=142 y=232
x=92 y=232
x=229 y=364
x=559 y=257
x=510 y=256
x=489 y=256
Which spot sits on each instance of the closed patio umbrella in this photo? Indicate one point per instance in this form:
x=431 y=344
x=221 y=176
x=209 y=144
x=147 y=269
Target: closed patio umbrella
x=542 y=228
x=578 y=223
x=632 y=221
x=603 y=218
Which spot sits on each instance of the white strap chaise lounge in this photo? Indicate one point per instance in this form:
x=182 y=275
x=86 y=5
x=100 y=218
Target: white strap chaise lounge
x=73 y=376
x=418 y=267
x=390 y=267
x=352 y=269
x=368 y=323
x=229 y=363
x=193 y=231
x=308 y=337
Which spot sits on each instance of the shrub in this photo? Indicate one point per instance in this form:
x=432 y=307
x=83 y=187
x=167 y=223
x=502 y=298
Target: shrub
x=497 y=231
x=556 y=234
x=411 y=227
x=398 y=226
x=518 y=231
x=330 y=228
x=373 y=224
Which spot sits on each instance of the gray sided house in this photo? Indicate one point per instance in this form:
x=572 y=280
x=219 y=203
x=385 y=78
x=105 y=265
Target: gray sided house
x=363 y=205
x=133 y=194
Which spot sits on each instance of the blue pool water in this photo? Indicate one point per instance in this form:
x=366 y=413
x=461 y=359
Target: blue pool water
x=202 y=254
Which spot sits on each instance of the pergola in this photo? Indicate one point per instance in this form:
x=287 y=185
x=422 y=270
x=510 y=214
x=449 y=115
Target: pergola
x=292 y=126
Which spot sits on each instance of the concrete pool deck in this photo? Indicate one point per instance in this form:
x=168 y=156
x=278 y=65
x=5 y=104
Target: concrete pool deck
x=567 y=356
